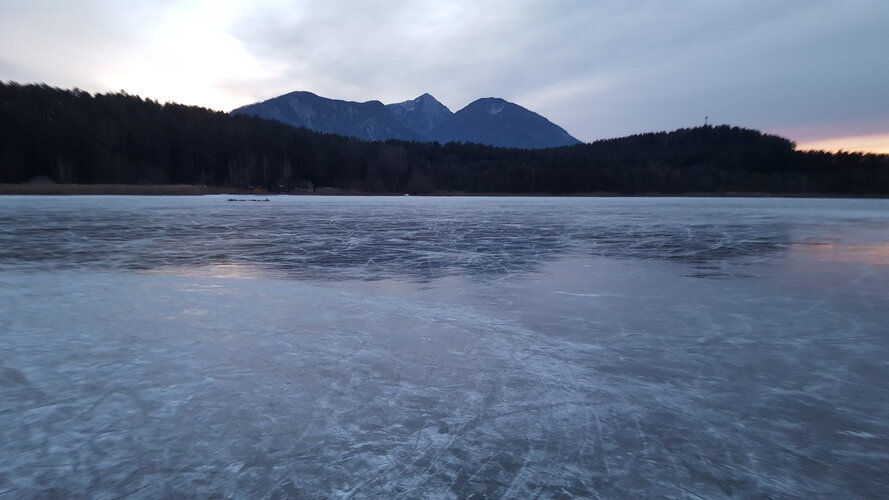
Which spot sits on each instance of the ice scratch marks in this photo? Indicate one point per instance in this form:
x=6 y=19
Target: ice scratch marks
x=594 y=295
x=491 y=381
x=859 y=434
x=374 y=239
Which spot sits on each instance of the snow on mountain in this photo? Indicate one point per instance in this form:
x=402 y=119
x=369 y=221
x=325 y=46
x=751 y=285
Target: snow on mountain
x=421 y=114
x=369 y=121
x=491 y=121
x=498 y=122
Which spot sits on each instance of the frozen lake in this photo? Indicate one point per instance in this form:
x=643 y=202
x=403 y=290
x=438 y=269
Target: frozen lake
x=406 y=347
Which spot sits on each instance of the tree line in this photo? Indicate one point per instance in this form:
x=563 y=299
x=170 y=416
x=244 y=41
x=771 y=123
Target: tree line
x=72 y=136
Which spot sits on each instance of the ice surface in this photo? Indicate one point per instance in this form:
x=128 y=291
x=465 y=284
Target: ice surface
x=443 y=347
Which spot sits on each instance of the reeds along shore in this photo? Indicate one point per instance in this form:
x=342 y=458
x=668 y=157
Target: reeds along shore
x=51 y=189
x=94 y=189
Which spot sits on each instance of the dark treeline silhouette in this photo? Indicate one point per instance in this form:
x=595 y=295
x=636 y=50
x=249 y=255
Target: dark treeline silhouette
x=71 y=136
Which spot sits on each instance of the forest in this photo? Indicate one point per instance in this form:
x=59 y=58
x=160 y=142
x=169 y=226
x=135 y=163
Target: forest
x=74 y=137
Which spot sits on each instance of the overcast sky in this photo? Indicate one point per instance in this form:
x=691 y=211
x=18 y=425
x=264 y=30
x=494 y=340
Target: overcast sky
x=814 y=71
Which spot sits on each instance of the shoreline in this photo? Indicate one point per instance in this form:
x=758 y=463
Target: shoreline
x=198 y=190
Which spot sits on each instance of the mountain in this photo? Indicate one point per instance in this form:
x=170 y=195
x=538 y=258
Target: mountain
x=74 y=137
x=370 y=121
x=422 y=114
x=490 y=121
x=497 y=122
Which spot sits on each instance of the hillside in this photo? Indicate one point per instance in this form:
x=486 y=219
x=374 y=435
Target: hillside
x=369 y=121
x=489 y=121
x=72 y=136
x=497 y=122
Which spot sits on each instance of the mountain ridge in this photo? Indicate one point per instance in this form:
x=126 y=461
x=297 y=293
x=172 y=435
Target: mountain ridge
x=490 y=121
x=497 y=122
x=365 y=120
x=72 y=137
x=422 y=114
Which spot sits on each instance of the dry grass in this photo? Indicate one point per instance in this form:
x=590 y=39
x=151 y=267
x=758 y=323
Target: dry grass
x=192 y=190
x=130 y=189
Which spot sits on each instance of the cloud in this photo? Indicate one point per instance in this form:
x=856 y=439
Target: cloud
x=69 y=43
x=810 y=69
x=600 y=69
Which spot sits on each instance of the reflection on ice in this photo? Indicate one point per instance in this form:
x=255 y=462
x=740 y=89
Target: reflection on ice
x=219 y=270
x=444 y=348
x=371 y=238
x=872 y=254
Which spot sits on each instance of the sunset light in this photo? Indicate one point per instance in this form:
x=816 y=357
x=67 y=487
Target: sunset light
x=877 y=143
x=598 y=69
x=452 y=249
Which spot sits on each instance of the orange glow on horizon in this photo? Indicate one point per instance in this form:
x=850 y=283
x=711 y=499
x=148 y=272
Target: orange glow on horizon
x=874 y=254
x=877 y=143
